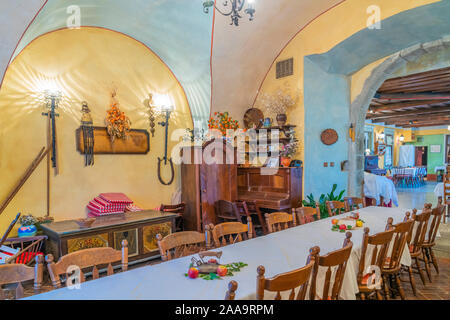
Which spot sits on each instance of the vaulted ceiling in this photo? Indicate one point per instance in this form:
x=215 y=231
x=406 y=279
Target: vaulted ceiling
x=416 y=100
x=218 y=64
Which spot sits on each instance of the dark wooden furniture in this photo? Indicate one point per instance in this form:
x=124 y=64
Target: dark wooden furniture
x=138 y=228
x=249 y=208
x=84 y=259
x=375 y=257
x=29 y=248
x=291 y=280
x=227 y=211
x=179 y=209
x=231 y=293
x=180 y=244
x=279 y=221
x=305 y=215
x=430 y=241
x=203 y=184
x=335 y=208
x=335 y=259
x=228 y=233
x=392 y=265
x=18 y=273
x=278 y=190
x=354 y=203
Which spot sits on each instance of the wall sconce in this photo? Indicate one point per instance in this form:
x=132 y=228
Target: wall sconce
x=166 y=107
x=351 y=132
x=401 y=138
x=381 y=137
x=52 y=97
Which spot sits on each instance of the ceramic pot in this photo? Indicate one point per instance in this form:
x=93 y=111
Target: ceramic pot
x=267 y=123
x=285 y=162
x=27 y=231
x=281 y=119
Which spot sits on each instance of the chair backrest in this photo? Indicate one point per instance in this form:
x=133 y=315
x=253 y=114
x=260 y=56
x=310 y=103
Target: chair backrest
x=305 y=215
x=278 y=221
x=242 y=207
x=401 y=231
x=229 y=232
x=354 y=203
x=180 y=244
x=231 y=293
x=334 y=260
x=335 y=207
x=173 y=208
x=18 y=273
x=227 y=210
x=377 y=256
x=291 y=280
x=29 y=248
x=86 y=258
x=421 y=227
x=436 y=216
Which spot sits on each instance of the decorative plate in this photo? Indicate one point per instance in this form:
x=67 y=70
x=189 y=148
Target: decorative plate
x=253 y=117
x=329 y=137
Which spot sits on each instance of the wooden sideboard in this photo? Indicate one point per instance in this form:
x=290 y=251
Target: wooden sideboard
x=138 y=228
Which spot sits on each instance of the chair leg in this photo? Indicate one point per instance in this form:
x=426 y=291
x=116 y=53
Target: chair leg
x=412 y=281
x=400 y=288
x=422 y=276
x=433 y=259
x=386 y=287
x=427 y=264
x=379 y=296
x=362 y=296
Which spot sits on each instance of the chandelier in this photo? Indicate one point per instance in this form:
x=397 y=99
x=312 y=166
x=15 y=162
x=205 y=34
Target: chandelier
x=234 y=10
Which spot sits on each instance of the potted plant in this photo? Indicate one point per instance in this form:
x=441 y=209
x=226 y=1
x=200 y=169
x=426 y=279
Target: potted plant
x=222 y=122
x=287 y=152
x=28 y=226
x=278 y=104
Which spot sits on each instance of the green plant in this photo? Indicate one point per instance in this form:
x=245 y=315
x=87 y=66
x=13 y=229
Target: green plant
x=322 y=201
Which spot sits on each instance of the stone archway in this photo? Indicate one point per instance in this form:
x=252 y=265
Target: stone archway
x=360 y=105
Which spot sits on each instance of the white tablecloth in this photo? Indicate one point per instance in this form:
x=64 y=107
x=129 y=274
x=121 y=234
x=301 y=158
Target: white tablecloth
x=439 y=190
x=376 y=186
x=277 y=252
x=408 y=171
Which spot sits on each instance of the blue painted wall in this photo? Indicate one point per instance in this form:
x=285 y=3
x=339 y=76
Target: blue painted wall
x=327 y=98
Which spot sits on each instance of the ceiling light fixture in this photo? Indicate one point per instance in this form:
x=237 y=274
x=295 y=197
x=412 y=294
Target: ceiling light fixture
x=234 y=11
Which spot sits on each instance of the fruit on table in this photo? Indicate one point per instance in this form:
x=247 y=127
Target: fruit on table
x=334 y=221
x=359 y=223
x=342 y=227
x=212 y=261
x=193 y=273
x=222 y=271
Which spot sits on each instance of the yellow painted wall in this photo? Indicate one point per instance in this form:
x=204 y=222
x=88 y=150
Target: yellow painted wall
x=84 y=64
x=320 y=36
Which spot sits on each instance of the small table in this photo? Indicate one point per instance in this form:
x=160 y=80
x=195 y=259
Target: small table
x=138 y=228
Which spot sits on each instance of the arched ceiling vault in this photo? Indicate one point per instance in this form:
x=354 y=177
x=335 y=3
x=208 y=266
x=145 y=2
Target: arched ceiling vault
x=219 y=71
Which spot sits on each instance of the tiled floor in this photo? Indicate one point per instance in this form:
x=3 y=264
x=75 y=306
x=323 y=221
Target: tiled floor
x=417 y=197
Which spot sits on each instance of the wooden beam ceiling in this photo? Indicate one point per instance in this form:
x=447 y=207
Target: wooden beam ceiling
x=379 y=117
x=413 y=96
x=402 y=105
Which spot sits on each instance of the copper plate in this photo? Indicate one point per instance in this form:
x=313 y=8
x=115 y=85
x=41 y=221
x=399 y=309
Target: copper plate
x=253 y=116
x=329 y=137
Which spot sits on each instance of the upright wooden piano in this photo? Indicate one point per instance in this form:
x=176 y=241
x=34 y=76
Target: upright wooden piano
x=280 y=189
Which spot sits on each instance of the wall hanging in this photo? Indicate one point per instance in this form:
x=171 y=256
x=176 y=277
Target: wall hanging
x=52 y=102
x=166 y=110
x=117 y=123
x=151 y=113
x=329 y=137
x=253 y=118
x=137 y=142
x=88 y=134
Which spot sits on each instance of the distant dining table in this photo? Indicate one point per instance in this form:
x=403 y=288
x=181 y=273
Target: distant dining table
x=406 y=171
x=278 y=252
x=439 y=190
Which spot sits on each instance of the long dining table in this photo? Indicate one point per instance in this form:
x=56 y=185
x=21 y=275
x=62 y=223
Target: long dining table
x=278 y=252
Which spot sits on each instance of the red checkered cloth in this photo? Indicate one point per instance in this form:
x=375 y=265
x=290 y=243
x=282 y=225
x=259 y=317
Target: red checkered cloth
x=105 y=210
x=92 y=214
x=115 y=198
x=26 y=257
x=133 y=208
x=101 y=204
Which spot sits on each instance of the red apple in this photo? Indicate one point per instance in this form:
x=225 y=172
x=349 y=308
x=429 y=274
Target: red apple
x=193 y=273
x=222 y=271
x=212 y=261
x=342 y=227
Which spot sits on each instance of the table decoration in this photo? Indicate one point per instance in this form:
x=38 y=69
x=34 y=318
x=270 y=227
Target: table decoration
x=351 y=222
x=212 y=269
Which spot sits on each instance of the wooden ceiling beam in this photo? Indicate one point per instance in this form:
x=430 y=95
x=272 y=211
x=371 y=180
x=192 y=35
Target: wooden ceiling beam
x=413 y=96
x=381 y=116
x=415 y=118
x=401 y=105
x=395 y=83
x=425 y=124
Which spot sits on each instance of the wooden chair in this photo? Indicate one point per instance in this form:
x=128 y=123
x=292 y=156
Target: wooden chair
x=227 y=211
x=354 y=203
x=18 y=273
x=335 y=259
x=447 y=195
x=305 y=215
x=291 y=280
x=228 y=233
x=278 y=221
x=29 y=248
x=377 y=256
x=249 y=208
x=180 y=244
x=85 y=259
x=430 y=241
x=335 y=208
x=392 y=265
x=231 y=293
x=179 y=209
x=416 y=247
